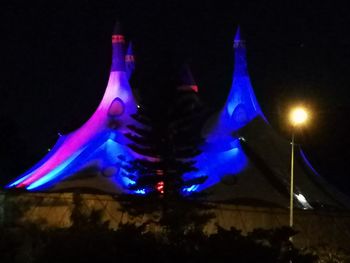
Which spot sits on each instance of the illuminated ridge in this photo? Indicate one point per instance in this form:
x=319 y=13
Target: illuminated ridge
x=96 y=145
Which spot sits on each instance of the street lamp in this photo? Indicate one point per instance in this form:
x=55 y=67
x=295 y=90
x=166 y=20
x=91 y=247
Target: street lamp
x=298 y=116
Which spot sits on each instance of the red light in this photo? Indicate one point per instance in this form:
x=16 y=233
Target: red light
x=193 y=88
x=160 y=187
x=118 y=39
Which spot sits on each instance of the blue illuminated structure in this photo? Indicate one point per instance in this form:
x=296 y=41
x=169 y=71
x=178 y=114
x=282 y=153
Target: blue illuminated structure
x=243 y=157
x=246 y=160
x=241 y=105
x=222 y=154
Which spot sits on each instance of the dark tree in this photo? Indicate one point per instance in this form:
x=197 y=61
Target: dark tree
x=170 y=139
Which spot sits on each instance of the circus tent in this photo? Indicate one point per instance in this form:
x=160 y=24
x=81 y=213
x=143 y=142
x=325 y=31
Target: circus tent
x=246 y=160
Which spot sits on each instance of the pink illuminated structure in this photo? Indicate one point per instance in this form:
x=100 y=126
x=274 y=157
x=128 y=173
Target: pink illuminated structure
x=243 y=157
x=102 y=134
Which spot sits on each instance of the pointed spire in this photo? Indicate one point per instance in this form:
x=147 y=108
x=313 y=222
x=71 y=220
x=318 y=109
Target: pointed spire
x=118 y=41
x=240 y=66
x=241 y=105
x=238 y=34
x=129 y=61
x=238 y=42
x=186 y=80
x=129 y=51
x=117 y=28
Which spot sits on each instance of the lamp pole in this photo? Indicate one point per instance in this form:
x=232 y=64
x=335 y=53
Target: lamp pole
x=291 y=203
x=298 y=116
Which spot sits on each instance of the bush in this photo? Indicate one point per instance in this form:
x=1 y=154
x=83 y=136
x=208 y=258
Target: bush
x=130 y=243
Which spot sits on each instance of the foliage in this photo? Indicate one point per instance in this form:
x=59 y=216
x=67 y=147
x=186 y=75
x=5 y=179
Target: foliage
x=83 y=218
x=170 y=138
x=330 y=254
x=14 y=209
x=130 y=243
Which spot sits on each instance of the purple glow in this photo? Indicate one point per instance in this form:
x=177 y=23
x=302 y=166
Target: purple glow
x=98 y=145
x=51 y=175
x=118 y=99
x=95 y=140
x=118 y=86
x=117 y=108
x=129 y=61
x=40 y=163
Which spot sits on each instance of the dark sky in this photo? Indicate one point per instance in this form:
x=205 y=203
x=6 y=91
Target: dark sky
x=55 y=63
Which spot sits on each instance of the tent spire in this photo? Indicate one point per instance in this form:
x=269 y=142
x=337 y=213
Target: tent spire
x=129 y=61
x=117 y=29
x=240 y=54
x=186 y=80
x=242 y=105
x=238 y=42
x=118 y=42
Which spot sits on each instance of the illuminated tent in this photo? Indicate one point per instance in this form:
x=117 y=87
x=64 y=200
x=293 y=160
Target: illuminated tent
x=90 y=156
x=248 y=161
x=245 y=160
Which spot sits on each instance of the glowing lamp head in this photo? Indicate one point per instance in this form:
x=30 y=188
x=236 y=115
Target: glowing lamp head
x=298 y=116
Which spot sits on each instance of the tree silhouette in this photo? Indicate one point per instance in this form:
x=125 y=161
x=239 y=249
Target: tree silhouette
x=169 y=141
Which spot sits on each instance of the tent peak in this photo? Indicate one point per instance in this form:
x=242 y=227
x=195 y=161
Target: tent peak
x=117 y=29
x=238 y=42
x=186 y=81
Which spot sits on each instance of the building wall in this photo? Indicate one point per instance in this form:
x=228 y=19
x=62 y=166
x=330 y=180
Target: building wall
x=54 y=210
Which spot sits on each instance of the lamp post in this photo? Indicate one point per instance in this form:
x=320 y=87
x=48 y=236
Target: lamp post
x=298 y=116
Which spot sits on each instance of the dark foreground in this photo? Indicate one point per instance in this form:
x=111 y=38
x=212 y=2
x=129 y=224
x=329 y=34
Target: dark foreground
x=97 y=243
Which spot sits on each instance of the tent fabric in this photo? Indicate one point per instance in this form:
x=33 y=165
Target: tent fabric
x=246 y=161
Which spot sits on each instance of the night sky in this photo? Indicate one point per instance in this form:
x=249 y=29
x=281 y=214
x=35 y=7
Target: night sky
x=55 y=64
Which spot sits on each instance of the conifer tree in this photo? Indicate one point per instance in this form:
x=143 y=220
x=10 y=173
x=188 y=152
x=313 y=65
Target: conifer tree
x=170 y=139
